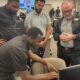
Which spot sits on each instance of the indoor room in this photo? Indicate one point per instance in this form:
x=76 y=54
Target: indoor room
x=39 y=39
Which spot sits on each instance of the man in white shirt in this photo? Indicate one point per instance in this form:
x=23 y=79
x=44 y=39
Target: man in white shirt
x=40 y=20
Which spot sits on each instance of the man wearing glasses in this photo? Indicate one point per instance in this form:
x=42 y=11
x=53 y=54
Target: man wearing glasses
x=67 y=33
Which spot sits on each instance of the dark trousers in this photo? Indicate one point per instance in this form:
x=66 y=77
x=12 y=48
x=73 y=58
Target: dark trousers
x=70 y=55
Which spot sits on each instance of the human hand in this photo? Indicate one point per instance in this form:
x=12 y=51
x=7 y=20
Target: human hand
x=62 y=36
x=52 y=75
x=51 y=67
x=43 y=44
x=2 y=41
x=66 y=37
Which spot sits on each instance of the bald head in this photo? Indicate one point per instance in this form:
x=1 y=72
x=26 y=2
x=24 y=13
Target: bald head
x=12 y=6
x=67 y=8
x=66 y=5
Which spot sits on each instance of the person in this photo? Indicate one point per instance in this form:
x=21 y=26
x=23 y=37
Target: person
x=51 y=13
x=67 y=33
x=7 y=21
x=38 y=19
x=20 y=24
x=57 y=12
x=52 y=16
x=15 y=53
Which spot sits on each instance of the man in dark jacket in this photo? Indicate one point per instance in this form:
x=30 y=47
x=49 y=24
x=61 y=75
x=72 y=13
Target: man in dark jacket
x=67 y=33
x=51 y=12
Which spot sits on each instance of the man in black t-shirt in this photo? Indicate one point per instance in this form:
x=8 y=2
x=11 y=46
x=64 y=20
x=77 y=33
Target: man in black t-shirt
x=14 y=55
x=8 y=21
x=51 y=13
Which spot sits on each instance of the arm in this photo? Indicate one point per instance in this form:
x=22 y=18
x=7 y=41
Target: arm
x=49 y=28
x=19 y=64
x=26 y=29
x=36 y=58
x=56 y=31
x=62 y=36
x=67 y=37
x=48 y=32
x=78 y=34
x=26 y=76
x=2 y=41
x=41 y=60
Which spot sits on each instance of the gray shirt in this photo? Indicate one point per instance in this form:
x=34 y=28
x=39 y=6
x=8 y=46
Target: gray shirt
x=66 y=28
x=13 y=57
x=40 y=21
x=7 y=24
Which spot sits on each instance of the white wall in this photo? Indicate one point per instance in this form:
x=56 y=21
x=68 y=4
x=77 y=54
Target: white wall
x=78 y=5
x=2 y=2
x=54 y=3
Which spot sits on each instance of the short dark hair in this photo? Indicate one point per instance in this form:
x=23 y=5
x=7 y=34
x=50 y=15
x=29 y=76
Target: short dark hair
x=40 y=1
x=13 y=0
x=34 y=32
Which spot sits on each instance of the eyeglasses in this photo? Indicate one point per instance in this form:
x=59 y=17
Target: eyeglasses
x=67 y=11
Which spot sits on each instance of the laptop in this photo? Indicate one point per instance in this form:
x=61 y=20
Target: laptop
x=70 y=73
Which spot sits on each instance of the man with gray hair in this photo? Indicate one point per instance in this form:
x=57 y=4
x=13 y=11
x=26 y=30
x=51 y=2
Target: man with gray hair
x=67 y=33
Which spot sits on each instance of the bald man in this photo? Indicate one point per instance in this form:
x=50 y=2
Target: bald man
x=8 y=21
x=67 y=35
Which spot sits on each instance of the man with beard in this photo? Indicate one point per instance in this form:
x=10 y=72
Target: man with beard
x=67 y=33
x=15 y=53
x=7 y=21
x=40 y=20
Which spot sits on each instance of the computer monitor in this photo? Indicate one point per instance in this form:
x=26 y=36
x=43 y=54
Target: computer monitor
x=27 y=4
x=70 y=73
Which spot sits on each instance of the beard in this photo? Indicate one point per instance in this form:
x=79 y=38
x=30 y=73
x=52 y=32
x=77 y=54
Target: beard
x=69 y=17
x=38 y=10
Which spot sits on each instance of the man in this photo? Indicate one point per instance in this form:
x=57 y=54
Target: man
x=67 y=33
x=7 y=21
x=38 y=19
x=57 y=12
x=15 y=53
x=51 y=12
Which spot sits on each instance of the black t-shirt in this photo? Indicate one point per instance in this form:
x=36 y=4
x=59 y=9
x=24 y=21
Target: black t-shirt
x=13 y=57
x=7 y=24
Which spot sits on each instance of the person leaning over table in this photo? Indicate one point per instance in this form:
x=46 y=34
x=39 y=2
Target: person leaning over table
x=15 y=53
